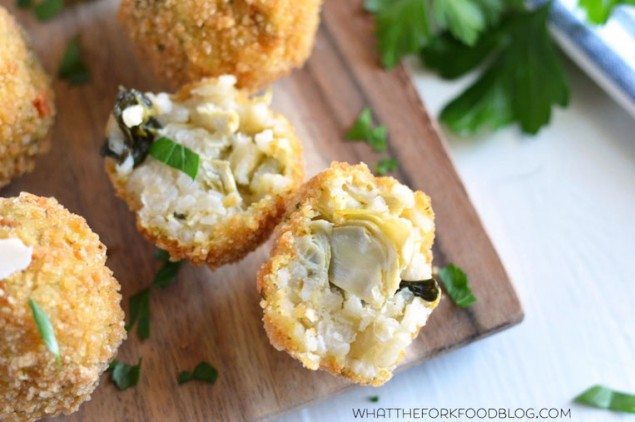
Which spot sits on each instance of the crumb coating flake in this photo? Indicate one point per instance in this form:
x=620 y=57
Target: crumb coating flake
x=69 y=280
x=250 y=162
x=256 y=40
x=26 y=102
x=328 y=327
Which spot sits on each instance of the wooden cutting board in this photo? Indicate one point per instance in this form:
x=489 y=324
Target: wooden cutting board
x=214 y=315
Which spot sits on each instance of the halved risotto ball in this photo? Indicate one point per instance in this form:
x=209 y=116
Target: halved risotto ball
x=256 y=40
x=206 y=170
x=26 y=102
x=349 y=281
x=61 y=322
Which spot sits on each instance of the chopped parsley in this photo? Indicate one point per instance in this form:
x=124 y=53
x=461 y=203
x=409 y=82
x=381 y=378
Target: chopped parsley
x=364 y=129
x=203 y=372
x=47 y=9
x=24 y=4
x=605 y=398
x=386 y=165
x=72 y=68
x=139 y=306
x=456 y=285
x=45 y=328
x=176 y=155
x=373 y=399
x=168 y=272
x=123 y=375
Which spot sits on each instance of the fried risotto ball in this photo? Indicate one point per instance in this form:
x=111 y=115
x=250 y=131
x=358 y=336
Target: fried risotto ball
x=26 y=102
x=349 y=282
x=50 y=256
x=256 y=40
x=250 y=161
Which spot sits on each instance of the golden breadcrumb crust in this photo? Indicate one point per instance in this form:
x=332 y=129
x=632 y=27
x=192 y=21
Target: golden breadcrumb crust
x=256 y=40
x=237 y=235
x=69 y=280
x=26 y=102
x=309 y=198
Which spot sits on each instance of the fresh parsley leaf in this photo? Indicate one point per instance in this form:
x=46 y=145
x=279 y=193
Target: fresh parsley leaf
x=203 y=372
x=373 y=399
x=451 y=59
x=140 y=312
x=386 y=165
x=45 y=328
x=47 y=9
x=123 y=375
x=599 y=11
x=176 y=156
x=464 y=18
x=606 y=398
x=402 y=26
x=24 y=4
x=162 y=255
x=72 y=68
x=456 y=285
x=167 y=274
x=524 y=80
x=363 y=129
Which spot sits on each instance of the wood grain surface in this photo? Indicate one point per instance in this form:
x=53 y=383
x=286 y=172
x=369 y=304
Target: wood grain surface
x=214 y=315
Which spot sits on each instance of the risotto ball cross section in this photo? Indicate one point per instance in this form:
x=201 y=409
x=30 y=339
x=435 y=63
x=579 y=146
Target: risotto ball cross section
x=349 y=282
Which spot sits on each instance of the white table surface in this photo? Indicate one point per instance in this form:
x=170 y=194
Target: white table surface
x=560 y=209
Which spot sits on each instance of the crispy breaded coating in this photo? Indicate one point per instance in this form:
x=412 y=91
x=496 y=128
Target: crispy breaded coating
x=256 y=40
x=26 y=102
x=67 y=277
x=250 y=162
x=338 y=291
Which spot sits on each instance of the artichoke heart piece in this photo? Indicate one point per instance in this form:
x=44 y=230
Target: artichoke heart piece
x=314 y=250
x=363 y=262
x=397 y=231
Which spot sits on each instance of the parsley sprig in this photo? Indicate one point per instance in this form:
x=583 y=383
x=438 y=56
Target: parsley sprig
x=72 y=68
x=523 y=77
x=123 y=375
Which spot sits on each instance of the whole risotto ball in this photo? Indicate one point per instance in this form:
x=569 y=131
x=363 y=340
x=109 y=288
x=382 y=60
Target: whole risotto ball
x=49 y=257
x=26 y=102
x=246 y=159
x=349 y=281
x=256 y=40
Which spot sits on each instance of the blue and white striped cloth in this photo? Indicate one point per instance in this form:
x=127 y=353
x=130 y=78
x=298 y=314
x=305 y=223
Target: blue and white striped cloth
x=606 y=52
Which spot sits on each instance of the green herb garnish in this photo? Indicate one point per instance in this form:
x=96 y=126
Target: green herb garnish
x=24 y=4
x=176 y=156
x=123 y=375
x=140 y=312
x=373 y=399
x=523 y=78
x=386 y=165
x=599 y=11
x=45 y=328
x=47 y=9
x=72 y=68
x=521 y=84
x=456 y=285
x=605 y=398
x=203 y=372
x=427 y=290
x=363 y=129
x=166 y=274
